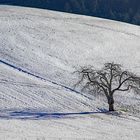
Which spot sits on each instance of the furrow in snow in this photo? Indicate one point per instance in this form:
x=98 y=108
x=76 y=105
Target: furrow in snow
x=41 y=78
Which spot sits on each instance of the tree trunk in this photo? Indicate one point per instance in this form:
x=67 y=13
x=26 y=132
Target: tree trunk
x=111 y=107
x=111 y=103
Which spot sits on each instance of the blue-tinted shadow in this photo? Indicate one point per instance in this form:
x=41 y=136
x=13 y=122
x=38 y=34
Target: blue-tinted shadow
x=44 y=115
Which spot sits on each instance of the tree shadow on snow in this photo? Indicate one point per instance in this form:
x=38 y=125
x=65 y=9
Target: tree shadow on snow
x=33 y=115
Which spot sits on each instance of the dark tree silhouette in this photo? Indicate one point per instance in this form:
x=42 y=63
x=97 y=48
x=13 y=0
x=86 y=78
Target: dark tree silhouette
x=108 y=80
x=121 y=10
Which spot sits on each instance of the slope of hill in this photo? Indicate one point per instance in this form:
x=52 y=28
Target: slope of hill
x=121 y=10
x=39 y=51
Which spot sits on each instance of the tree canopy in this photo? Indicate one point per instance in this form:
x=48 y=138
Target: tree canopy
x=110 y=79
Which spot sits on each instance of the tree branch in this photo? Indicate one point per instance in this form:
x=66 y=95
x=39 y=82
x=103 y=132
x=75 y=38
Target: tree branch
x=120 y=84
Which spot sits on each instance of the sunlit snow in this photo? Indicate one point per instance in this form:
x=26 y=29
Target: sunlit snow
x=39 y=51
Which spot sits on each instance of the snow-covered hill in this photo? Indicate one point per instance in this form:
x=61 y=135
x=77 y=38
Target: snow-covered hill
x=40 y=50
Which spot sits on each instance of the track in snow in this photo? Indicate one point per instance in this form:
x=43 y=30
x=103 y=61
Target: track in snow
x=41 y=78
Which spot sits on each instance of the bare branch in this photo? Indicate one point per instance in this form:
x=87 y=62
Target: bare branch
x=110 y=76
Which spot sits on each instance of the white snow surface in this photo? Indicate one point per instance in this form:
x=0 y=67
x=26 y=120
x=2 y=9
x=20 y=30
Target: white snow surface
x=39 y=51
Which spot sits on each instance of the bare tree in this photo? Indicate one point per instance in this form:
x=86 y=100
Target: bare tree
x=108 y=80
